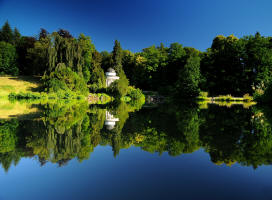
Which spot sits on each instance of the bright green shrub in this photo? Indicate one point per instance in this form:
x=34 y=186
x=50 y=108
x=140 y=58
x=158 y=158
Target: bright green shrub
x=135 y=93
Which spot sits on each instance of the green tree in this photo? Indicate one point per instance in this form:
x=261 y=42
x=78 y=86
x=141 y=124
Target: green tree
x=6 y=33
x=16 y=36
x=97 y=76
x=189 y=77
x=117 y=57
x=87 y=50
x=8 y=58
x=26 y=62
x=37 y=57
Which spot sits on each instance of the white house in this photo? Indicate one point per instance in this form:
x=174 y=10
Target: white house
x=111 y=77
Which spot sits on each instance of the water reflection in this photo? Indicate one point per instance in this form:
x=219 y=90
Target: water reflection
x=110 y=120
x=68 y=130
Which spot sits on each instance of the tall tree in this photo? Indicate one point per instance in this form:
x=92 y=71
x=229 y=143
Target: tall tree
x=8 y=59
x=87 y=50
x=189 y=78
x=117 y=57
x=6 y=33
x=16 y=36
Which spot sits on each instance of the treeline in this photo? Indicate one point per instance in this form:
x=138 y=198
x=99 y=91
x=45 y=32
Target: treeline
x=230 y=66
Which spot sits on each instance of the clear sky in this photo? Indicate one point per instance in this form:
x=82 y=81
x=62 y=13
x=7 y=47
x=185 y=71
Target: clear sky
x=142 y=23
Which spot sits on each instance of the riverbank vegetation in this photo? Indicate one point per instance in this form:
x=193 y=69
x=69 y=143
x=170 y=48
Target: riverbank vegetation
x=72 y=66
x=68 y=67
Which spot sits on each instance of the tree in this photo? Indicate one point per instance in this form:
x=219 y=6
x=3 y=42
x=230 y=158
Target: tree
x=25 y=61
x=189 y=77
x=106 y=62
x=43 y=34
x=87 y=50
x=6 y=33
x=176 y=61
x=16 y=36
x=224 y=68
x=117 y=57
x=97 y=76
x=8 y=58
x=64 y=33
x=37 y=57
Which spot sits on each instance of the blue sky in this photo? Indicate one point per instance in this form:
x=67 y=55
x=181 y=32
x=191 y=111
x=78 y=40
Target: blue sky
x=142 y=23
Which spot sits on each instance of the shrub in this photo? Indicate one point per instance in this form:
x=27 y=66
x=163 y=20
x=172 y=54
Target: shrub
x=63 y=80
x=135 y=93
x=22 y=95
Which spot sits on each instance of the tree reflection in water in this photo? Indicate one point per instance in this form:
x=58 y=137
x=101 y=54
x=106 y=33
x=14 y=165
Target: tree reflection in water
x=71 y=130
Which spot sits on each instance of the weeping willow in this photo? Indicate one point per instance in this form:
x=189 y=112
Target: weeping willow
x=65 y=50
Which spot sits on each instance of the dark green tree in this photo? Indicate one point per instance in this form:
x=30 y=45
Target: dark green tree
x=189 y=78
x=117 y=57
x=8 y=58
x=6 y=33
x=16 y=36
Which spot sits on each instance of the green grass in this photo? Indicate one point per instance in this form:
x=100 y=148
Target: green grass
x=227 y=98
x=18 y=84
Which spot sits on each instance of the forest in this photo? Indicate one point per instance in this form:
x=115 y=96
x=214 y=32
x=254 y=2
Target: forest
x=69 y=65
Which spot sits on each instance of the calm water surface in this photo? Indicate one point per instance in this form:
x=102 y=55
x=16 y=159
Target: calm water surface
x=81 y=151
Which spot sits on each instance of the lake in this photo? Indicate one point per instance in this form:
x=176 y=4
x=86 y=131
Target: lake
x=73 y=150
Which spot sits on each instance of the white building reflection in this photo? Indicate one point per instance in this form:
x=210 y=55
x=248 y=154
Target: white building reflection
x=110 y=121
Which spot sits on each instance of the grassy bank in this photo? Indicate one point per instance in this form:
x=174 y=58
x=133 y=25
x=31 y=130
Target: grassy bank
x=224 y=98
x=16 y=84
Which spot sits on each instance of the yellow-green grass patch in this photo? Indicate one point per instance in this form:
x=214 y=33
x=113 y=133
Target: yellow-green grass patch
x=17 y=84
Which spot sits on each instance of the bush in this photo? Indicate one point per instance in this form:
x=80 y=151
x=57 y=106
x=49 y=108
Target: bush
x=135 y=93
x=22 y=95
x=64 y=80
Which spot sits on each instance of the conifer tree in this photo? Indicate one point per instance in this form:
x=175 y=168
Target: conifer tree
x=117 y=57
x=6 y=33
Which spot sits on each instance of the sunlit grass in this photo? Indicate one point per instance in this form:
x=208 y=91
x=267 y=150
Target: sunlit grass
x=17 y=84
x=204 y=104
x=13 y=109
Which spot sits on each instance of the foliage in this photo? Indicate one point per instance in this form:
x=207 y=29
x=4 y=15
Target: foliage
x=63 y=79
x=117 y=57
x=97 y=78
x=6 y=33
x=119 y=88
x=8 y=137
x=189 y=77
x=8 y=58
x=135 y=93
